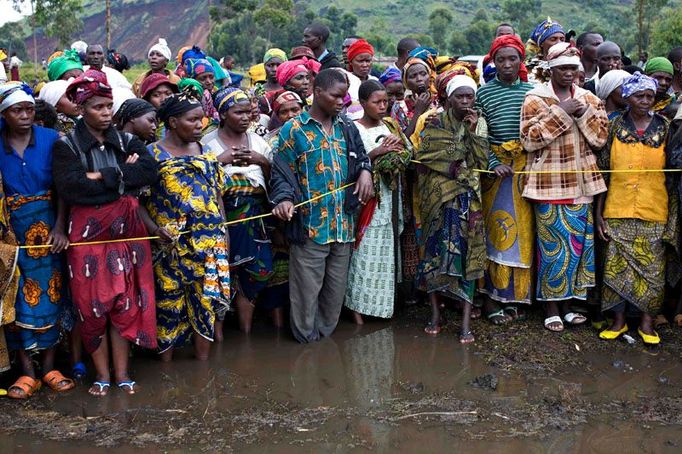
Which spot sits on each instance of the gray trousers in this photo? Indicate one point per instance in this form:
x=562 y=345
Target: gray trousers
x=318 y=275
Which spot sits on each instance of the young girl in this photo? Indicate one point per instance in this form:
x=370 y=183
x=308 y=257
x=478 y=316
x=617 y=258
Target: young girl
x=192 y=271
x=245 y=157
x=372 y=278
x=99 y=172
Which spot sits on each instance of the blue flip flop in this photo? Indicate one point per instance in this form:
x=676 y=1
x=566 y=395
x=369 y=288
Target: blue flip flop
x=79 y=371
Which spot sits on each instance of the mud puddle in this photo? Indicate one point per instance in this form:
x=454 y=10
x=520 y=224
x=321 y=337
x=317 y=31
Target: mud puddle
x=381 y=387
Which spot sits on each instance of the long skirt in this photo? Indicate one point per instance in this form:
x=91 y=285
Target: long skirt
x=372 y=276
x=39 y=300
x=509 y=238
x=444 y=253
x=565 y=249
x=250 y=248
x=112 y=282
x=634 y=272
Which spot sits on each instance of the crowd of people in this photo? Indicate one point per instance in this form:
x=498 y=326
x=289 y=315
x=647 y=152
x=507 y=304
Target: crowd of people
x=142 y=214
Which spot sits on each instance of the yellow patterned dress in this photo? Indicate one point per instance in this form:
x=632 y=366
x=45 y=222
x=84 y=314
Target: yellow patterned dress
x=192 y=274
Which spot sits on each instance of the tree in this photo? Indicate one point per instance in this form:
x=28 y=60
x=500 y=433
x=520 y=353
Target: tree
x=645 y=10
x=666 y=32
x=274 y=15
x=480 y=33
x=440 y=24
x=522 y=14
x=107 y=21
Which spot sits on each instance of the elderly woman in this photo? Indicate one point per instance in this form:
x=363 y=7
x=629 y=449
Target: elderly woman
x=453 y=240
x=246 y=158
x=609 y=91
x=99 y=172
x=37 y=219
x=634 y=216
x=186 y=207
x=560 y=126
x=662 y=70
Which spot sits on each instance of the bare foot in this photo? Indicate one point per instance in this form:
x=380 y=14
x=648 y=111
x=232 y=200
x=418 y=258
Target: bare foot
x=99 y=388
x=128 y=386
x=218 y=334
x=466 y=338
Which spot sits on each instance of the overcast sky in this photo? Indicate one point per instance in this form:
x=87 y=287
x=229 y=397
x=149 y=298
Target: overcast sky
x=8 y=13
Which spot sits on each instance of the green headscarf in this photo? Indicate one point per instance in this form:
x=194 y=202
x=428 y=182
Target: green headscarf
x=192 y=87
x=659 y=65
x=66 y=62
x=274 y=53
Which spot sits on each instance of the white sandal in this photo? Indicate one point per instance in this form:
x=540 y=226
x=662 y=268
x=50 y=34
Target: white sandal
x=554 y=319
x=574 y=318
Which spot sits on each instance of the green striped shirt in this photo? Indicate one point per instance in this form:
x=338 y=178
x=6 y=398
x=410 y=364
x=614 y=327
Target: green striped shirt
x=501 y=107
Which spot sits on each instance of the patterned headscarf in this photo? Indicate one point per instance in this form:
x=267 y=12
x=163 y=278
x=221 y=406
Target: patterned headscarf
x=274 y=53
x=176 y=105
x=63 y=63
x=189 y=52
x=429 y=68
x=544 y=30
x=428 y=54
x=191 y=87
x=88 y=85
x=562 y=54
x=228 y=97
x=196 y=66
x=13 y=93
x=392 y=74
x=282 y=97
x=638 y=82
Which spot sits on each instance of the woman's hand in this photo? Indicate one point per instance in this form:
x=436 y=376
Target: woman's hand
x=602 y=229
x=94 y=175
x=58 y=239
x=132 y=159
x=471 y=117
x=284 y=210
x=364 y=188
x=164 y=235
x=422 y=103
x=503 y=171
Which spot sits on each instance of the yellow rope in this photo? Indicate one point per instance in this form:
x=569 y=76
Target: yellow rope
x=549 y=172
x=238 y=221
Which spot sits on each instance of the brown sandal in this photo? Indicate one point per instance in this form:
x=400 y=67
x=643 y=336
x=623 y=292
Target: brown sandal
x=28 y=385
x=58 y=382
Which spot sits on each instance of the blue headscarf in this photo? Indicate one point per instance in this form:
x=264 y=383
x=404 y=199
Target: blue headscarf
x=392 y=74
x=638 y=82
x=195 y=53
x=195 y=67
x=544 y=30
x=423 y=53
x=227 y=97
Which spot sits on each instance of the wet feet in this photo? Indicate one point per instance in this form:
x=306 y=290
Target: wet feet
x=99 y=388
x=432 y=329
x=495 y=314
x=466 y=337
x=128 y=386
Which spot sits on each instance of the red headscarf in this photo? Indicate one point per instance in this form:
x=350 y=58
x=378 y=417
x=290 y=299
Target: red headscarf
x=514 y=42
x=88 y=85
x=359 y=47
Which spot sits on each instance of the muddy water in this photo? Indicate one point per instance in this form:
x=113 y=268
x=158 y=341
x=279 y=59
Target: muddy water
x=382 y=387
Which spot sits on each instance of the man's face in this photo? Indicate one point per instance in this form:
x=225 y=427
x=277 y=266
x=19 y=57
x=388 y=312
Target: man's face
x=311 y=40
x=608 y=59
x=589 y=49
x=330 y=101
x=503 y=30
x=95 y=56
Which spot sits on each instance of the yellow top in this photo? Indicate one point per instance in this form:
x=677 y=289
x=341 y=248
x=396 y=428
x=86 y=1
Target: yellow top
x=637 y=195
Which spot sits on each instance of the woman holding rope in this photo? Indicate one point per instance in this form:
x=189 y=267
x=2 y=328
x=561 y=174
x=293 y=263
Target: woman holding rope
x=99 y=171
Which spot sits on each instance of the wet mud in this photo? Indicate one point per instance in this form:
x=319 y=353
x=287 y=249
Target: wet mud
x=383 y=387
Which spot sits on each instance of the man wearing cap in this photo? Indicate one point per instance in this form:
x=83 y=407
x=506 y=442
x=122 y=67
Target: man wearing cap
x=561 y=124
x=158 y=57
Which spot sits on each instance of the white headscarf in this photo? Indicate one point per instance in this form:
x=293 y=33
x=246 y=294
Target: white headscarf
x=610 y=81
x=162 y=48
x=53 y=91
x=562 y=54
x=458 y=81
x=13 y=93
x=121 y=95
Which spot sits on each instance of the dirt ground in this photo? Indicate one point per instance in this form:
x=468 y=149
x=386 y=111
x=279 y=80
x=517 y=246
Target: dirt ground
x=383 y=387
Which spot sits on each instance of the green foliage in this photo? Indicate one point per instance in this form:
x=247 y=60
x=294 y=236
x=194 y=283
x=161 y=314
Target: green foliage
x=247 y=28
x=12 y=39
x=480 y=33
x=523 y=14
x=59 y=19
x=440 y=24
x=666 y=32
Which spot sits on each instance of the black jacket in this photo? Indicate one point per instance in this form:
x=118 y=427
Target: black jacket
x=330 y=61
x=285 y=185
x=68 y=169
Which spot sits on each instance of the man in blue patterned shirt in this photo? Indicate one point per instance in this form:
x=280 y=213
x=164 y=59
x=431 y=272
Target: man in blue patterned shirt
x=320 y=151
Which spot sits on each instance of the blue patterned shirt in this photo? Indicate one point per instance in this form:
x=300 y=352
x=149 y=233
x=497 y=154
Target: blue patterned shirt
x=320 y=163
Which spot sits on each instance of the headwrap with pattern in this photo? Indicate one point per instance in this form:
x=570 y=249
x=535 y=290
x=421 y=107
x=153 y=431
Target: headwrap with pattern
x=392 y=74
x=227 y=97
x=88 y=85
x=13 y=93
x=638 y=82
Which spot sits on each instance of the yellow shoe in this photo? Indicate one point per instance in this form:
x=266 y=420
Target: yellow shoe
x=3 y=392
x=611 y=335
x=650 y=339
